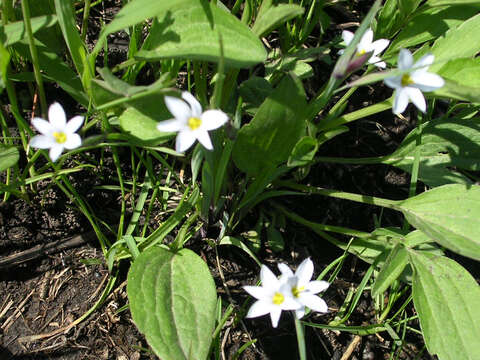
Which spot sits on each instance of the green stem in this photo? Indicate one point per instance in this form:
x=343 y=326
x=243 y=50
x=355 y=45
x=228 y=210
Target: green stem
x=355 y=115
x=34 y=54
x=300 y=339
x=364 y=199
x=86 y=14
x=358 y=161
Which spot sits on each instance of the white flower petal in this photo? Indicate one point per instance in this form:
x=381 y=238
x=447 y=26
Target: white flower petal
x=379 y=64
x=184 y=140
x=170 y=125
x=73 y=124
x=300 y=313
x=178 y=108
x=427 y=81
x=275 y=316
x=259 y=308
x=341 y=51
x=366 y=40
x=194 y=104
x=400 y=101
x=417 y=98
x=73 y=141
x=213 y=119
x=314 y=302
x=204 y=139
x=394 y=82
x=405 y=59
x=425 y=61
x=42 y=142
x=42 y=126
x=290 y=303
x=347 y=36
x=257 y=292
x=55 y=152
x=285 y=270
x=379 y=45
x=56 y=116
x=317 y=286
x=268 y=278
x=304 y=272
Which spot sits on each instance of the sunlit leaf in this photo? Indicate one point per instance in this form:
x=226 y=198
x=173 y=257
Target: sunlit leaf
x=172 y=300
x=447 y=300
x=8 y=156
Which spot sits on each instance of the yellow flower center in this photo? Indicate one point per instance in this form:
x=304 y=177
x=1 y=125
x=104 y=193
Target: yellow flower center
x=278 y=298
x=60 y=137
x=194 y=123
x=406 y=80
x=361 y=52
x=297 y=290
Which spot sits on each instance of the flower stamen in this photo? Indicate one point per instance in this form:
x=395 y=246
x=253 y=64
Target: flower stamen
x=297 y=290
x=407 y=80
x=60 y=137
x=278 y=298
x=194 y=123
x=361 y=52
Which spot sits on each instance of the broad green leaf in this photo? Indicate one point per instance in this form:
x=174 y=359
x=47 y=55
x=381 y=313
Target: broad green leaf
x=8 y=156
x=275 y=239
x=449 y=215
x=393 y=267
x=56 y=70
x=255 y=90
x=465 y=71
x=142 y=127
x=275 y=16
x=430 y=23
x=458 y=42
x=393 y=16
x=446 y=143
x=447 y=300
x=14 y=32
x=192 y=32
x=459 y=91
x=271 y=135
x=303 y=152
x=172 y=299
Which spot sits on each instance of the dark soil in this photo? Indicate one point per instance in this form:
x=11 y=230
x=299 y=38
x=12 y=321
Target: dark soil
x=41 y=299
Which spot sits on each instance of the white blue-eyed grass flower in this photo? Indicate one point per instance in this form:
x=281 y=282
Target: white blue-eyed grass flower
x=56 y=134
x=367 y=45
x=304 y=290
x=409 y=86
x=190 y=122
x=272 y=297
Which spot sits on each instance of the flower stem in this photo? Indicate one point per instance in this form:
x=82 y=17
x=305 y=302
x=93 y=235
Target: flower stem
x=34 y=54
x=300 y=339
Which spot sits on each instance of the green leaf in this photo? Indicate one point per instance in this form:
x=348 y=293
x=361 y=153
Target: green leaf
x=455 y=90
x=142 y=127
x=275 y=239
x=4 y=61
x=430 y=23
x=465 y=71
x=275 y=16
x=446 y=143
x=458 y=42
x=394 y=265
x=192 y=32
x=449 y=215
x=450 y=2
x=303 y=152
x=271 y=135
x=8 y=156
x=447 y=300
x=15 y=32
x=230 y=240
x=172 y=300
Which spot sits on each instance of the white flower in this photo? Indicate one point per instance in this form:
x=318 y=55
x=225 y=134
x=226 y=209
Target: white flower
x=272 y=297
x=367 y=45
x=409 y=86
x=56 y=133
x=303 y=289
x=190 y=122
